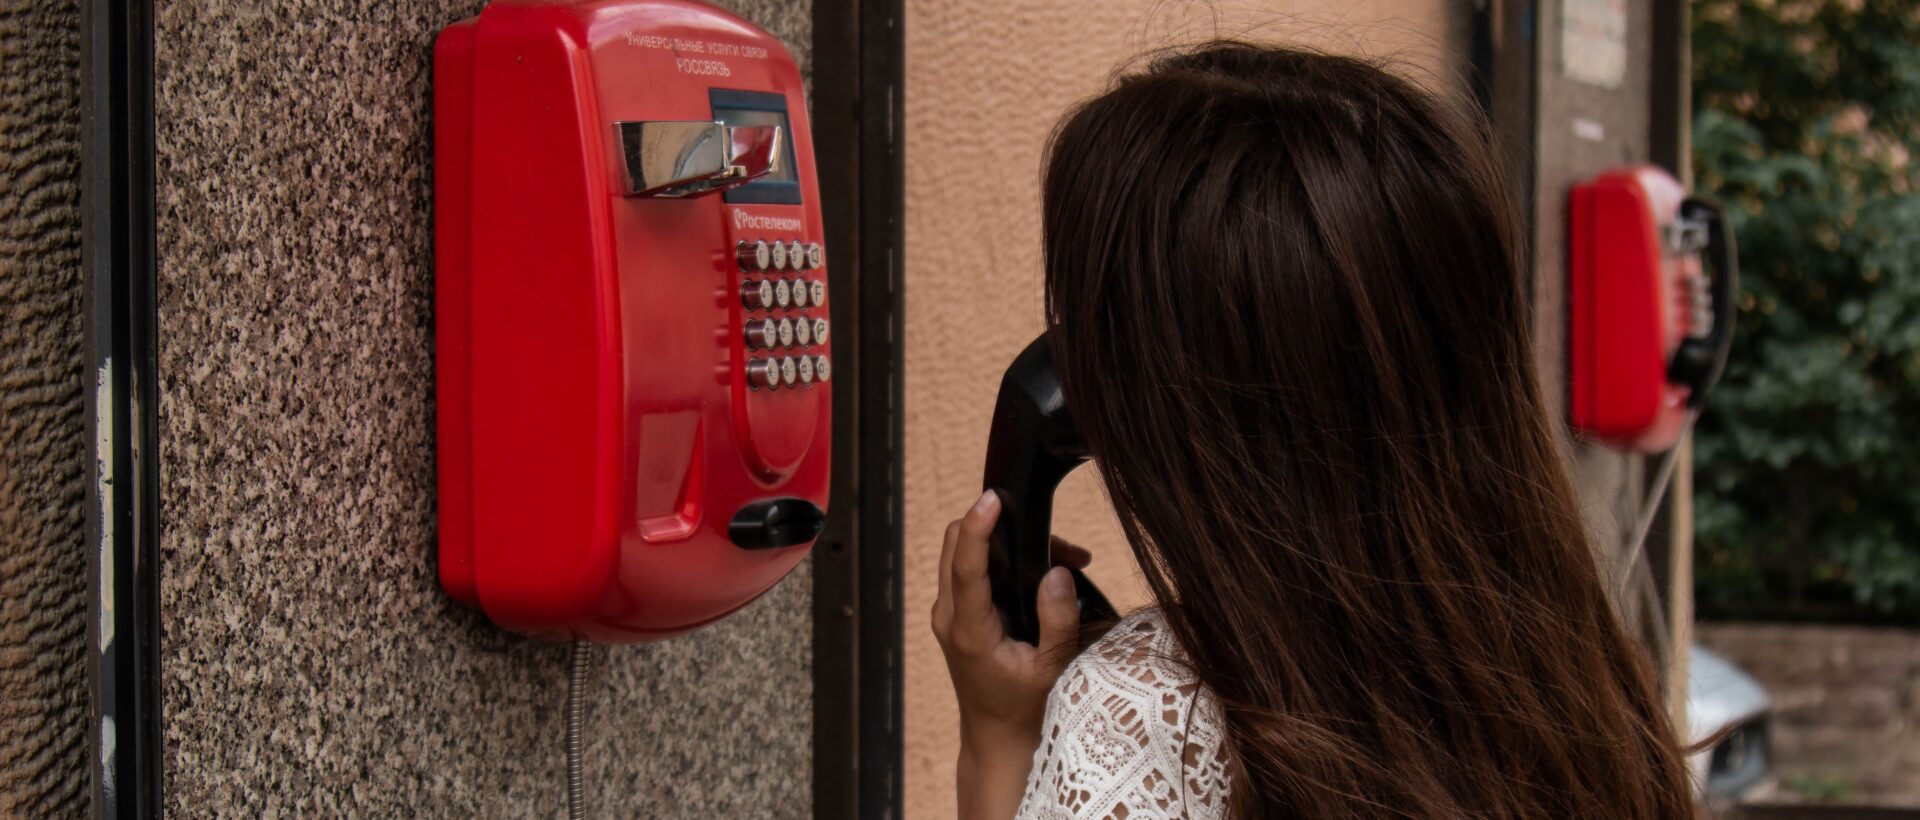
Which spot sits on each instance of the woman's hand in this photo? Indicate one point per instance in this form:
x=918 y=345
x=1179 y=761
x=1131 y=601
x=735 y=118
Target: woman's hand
x=1000 y=683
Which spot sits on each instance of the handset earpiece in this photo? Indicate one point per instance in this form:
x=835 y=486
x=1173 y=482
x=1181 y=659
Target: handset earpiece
x=1033 y=445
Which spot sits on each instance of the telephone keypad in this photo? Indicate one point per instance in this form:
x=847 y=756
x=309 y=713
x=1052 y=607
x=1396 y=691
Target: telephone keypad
x=1700 y=301
x=773 y=293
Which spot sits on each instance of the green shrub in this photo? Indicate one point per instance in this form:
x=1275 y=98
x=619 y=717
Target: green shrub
x=1807 y=128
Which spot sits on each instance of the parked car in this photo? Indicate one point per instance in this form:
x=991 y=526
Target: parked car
x=1723 y=698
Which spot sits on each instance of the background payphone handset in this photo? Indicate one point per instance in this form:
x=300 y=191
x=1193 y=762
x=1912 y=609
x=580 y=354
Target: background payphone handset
x=1032 y=446
x=631 y=307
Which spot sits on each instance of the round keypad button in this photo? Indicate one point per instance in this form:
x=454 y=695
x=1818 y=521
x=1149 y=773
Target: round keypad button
x=762 y=334
x=786 y=333
x=789 y=372
x=800 y=296
x=822 y=368
x=763 y=373
x=796 y=255
x=779 y=256
x=782 y=293
x=806 y=369
x=753 y=256
x=803 y=331
x=819 y=331
x=816 y=257
x=756 y=295
x=817 y=292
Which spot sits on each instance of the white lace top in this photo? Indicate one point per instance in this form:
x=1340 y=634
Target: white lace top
x=1129 y=735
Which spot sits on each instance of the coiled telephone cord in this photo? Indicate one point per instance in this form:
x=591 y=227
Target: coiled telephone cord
x=579 y=668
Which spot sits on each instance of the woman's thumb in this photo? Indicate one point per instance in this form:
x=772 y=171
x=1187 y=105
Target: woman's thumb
x=1059 y=610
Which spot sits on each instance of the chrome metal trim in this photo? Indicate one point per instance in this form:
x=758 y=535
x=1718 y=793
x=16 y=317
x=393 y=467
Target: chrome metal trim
x=680 y=158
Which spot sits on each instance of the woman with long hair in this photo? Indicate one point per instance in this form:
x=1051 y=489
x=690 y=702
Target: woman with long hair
x=1287 y=306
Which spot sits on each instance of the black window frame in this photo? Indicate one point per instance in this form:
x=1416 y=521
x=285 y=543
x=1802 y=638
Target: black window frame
x=858 y=623
x=123 y=510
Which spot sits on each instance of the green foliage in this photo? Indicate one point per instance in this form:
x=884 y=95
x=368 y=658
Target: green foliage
x=1819 y=789
x=1807 y=127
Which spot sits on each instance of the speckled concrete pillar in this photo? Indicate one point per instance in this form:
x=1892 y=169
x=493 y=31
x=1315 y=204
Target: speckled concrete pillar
x=43 y=451
x=311 y=664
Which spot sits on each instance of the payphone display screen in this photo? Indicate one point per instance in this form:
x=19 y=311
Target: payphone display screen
x=782 y=186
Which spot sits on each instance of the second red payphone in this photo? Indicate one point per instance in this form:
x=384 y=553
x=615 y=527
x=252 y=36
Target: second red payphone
x=1651 y=282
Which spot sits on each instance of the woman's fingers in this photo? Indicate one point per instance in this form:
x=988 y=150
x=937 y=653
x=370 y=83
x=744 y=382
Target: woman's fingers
x=943 y=602
x=1059 y=610
x=1067 y=553
x=975 y=623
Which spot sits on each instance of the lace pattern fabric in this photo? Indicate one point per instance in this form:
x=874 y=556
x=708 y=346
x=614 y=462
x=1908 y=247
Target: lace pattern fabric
x=1129 y=735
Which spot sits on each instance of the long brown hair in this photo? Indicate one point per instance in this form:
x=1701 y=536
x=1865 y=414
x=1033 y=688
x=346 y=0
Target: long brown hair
x=1289 y=319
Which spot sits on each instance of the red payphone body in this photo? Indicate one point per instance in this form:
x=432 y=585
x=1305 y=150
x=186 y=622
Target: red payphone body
x=633 y=355
x=1648 y=327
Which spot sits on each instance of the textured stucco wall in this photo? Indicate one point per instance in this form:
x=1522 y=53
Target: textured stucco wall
x=43 y=558
x=311 y=665
x=986 y=79
x=1583 y=128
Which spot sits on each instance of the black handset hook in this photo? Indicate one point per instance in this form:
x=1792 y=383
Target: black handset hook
x=1699 y=361
x=1032 y=446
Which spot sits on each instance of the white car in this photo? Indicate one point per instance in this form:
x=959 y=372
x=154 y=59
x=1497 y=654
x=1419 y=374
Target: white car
x=1722 y=697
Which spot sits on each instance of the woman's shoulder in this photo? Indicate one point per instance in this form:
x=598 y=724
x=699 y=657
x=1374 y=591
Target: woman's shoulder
x=1138 y=663
x=1129 y=733
x=1140 y=645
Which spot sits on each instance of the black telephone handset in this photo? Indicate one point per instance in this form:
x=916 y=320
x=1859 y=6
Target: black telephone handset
x=1701 y=359
x=1033 y=445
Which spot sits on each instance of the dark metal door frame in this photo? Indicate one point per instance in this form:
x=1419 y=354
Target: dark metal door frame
x=1506 y=62
x=124 y=763
x=857 y=633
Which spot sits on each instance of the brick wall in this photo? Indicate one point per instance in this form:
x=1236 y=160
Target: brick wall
x=1846 y=704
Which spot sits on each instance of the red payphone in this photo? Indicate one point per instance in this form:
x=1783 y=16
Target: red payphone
x=1649 y=328
x=631 y=316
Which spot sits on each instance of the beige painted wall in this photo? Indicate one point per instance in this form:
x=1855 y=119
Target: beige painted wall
x=985 y=81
